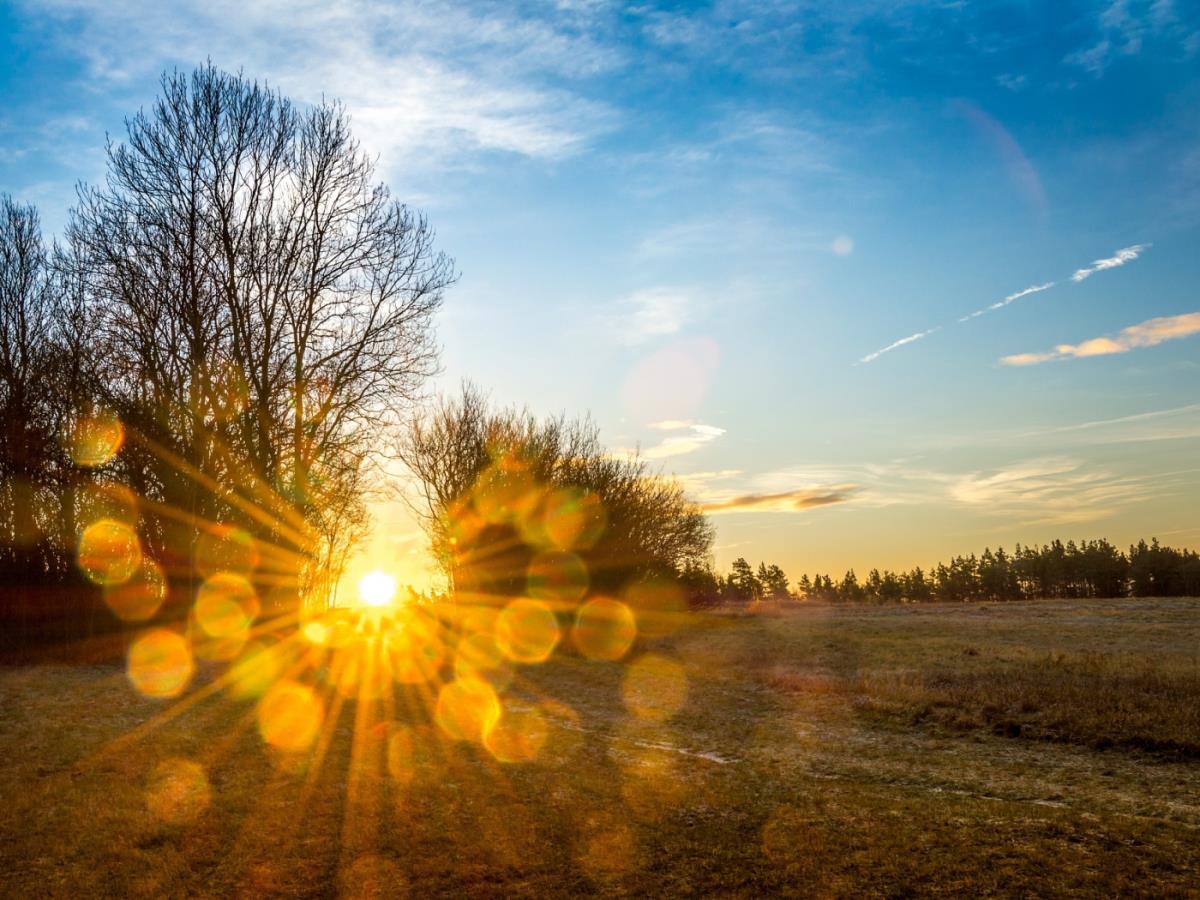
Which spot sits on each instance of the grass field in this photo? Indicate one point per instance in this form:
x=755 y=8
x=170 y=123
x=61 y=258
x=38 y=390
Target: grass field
x=1045 y=748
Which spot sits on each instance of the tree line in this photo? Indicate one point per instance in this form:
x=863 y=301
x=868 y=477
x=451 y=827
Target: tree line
x=1071 y=570
x=1087 y=569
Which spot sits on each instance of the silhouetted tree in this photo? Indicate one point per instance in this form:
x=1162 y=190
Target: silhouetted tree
x=266 y=308
x=774 y=582
x=491 y=484
x=743 y=585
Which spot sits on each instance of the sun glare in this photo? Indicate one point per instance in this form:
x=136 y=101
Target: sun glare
x=377 y=589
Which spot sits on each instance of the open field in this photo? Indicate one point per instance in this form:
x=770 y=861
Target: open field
x=1045 y=748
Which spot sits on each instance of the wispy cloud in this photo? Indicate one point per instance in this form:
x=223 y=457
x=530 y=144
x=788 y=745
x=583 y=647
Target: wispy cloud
x=427 y=86
x=784 y=501
x=693 y=436
x=743 y=237
x=1120 y=420
x=1124 y=28
x=1176 y=423
x=1128 y=254
x=1000 y=304
x=871 y=357
x=1050 y=490
x=1144 y=334
x=652 y=312
x=1044 y=489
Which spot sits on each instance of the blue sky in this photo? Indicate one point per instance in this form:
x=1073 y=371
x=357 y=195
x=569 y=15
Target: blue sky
x=700 y=222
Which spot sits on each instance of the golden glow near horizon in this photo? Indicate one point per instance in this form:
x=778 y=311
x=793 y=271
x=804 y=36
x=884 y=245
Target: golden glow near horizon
x=370 y=645
x=377 y=589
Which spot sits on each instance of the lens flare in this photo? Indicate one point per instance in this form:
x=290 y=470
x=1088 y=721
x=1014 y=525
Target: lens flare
x=289 y=716
x=139 y=598
x=557 y=577
x=178 y=791
x=109 y=552
x=160 y=663
x=415 y=648
x=226 y=549
x=377 y=589
x=259 y=666
x=400 y=754
x=505 y=491
x=604 y=629
x=315 y=632
x=226 y=604
x=527 y=631
x=462 y=523
x=479 y=656
x=573 y=519
x=660 y=606
x=517 y=735
x=655 y=687
x=95 y=439
x=361 y=671
x=467 y=709
x=106 y=501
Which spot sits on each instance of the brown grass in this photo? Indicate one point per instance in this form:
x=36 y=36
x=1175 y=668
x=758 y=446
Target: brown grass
x=1034 y=748
x=1084 y=698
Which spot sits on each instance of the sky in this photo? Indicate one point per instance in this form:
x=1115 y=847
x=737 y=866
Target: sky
x=882 y=282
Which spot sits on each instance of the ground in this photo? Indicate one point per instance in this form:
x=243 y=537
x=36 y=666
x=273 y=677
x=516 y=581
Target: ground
x=1045 y=748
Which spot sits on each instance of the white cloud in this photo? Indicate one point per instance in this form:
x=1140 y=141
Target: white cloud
x=1127 y=27
x=427 y=86
x=693 y=437
x=1145 y=334
x=651 y=313
x=871 y=357
x=999 y=304
x=1094 y=59
x=1128 y=254
x=1089 y=348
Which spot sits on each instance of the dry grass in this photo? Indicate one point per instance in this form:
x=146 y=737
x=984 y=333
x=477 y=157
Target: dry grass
x=1017 y=749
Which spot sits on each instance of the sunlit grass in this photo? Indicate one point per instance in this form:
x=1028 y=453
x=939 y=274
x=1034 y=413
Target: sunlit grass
x=743 y=756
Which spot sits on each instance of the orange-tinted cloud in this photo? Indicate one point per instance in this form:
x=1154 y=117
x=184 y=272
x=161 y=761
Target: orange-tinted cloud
x=1144 y=334
x=784 y=501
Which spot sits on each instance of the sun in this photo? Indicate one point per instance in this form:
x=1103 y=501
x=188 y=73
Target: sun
x=377 y=589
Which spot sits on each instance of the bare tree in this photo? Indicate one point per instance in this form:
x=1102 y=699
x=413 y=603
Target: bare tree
x=493 y=488
x=267 y=308
x=26 y=323
x=47 y=359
